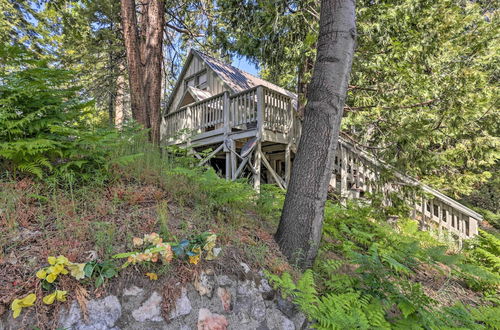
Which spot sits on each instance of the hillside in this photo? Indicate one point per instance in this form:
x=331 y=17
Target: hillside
x=369 y=272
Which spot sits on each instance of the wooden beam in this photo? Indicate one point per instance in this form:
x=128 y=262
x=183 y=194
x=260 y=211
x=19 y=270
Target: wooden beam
x=232 y=158
x=257 y=167
x=275 y=176
x=219 y=148
x=240 y=169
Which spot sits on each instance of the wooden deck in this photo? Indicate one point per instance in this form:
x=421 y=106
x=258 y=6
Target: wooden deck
x=227 y=122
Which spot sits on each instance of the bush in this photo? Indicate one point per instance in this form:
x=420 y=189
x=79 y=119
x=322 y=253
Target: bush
x=43 y=126
x=366 y=275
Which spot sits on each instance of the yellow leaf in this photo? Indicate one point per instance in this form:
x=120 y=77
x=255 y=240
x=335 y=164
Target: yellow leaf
x=194 y=259
x=152 y=276
x=62 y=260
x=41 y=274
x=49 y=299
x=52 y=260
x=76 y=270
x=18 y=304
x=16 y=312
x=58 y=269
x=51 y=277
x=29 y=300
x=61 y=295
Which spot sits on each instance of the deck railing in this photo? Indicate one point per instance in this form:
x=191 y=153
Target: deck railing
x=241 y=111
x=356 y=172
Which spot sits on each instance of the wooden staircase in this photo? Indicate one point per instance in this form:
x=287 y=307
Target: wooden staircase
x=226 y=122
x=357 y=173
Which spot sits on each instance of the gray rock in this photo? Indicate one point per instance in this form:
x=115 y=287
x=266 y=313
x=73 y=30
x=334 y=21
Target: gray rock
x=150 y=310
x=286 y=307
x=276 y=320
x=249 y=301
x=182 y=305
x=265 y=289
x=102 y=314
x=300 y=321
x=133 y=291
x=224 y=281
x=245 y=267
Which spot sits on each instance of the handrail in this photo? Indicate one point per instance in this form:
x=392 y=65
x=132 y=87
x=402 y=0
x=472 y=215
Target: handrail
x=195 y=104
x=232 y=96
x=410 y=180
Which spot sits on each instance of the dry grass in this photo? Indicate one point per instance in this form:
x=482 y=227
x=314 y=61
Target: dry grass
x=41 y=220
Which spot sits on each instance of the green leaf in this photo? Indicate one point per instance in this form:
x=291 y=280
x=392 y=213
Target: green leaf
x=99 y=281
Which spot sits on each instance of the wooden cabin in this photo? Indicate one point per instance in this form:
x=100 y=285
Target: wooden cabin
x=252 y=129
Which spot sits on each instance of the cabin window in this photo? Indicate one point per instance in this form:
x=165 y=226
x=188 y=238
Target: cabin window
x=190 y=82
x=198 y=80
x=202 y=81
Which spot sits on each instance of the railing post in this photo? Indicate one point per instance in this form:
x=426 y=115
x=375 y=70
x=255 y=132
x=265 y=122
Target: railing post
x=230 y=158
x=260 y=112
x=226 y=111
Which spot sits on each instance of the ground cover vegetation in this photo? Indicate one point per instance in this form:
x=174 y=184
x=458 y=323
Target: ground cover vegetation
x=368 y=274
x=74 y=191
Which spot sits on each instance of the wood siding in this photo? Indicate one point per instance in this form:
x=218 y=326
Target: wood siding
x=196 y=65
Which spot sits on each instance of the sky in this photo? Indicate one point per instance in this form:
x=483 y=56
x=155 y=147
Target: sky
x=242 y=63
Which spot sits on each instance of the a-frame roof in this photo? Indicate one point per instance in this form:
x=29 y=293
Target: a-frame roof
x=236 y=80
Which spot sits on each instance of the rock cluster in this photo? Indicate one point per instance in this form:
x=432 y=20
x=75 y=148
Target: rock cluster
x=211 y=302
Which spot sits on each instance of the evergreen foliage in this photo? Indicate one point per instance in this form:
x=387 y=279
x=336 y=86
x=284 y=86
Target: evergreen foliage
x=368 y=276
x=424 y=91
x=44 y=124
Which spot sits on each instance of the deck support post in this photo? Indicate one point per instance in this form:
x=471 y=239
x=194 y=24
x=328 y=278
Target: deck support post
x=232 y=159
x=227 y=129
x=257 y=167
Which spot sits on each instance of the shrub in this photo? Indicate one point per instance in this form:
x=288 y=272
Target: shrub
x=43 y=126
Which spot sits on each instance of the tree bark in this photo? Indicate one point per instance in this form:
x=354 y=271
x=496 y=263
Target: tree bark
x=301 y=224
x=143 y=44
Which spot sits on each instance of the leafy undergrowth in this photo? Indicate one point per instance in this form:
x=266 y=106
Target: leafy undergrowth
x=91 y=223
x=370 y=274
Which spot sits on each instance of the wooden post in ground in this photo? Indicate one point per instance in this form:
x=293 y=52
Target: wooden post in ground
x=257 y=167
x=260 y=128
x=227 y=129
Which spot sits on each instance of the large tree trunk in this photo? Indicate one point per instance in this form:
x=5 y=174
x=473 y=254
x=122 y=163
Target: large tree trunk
x=144 y=58
x=301 y=224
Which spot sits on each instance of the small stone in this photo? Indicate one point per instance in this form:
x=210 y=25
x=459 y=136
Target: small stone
x=209 y=321
x=103 y=315
x=204 y=285
x=150 y=310
x=286 y=307
x=225 y=298
x=258 y=309
x=182 y=305
x=224 y=281
x=276 y=320
x=300 y=320
x=133 y=291
x=245 y=267
x=265 y=289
